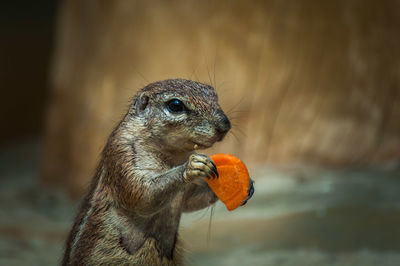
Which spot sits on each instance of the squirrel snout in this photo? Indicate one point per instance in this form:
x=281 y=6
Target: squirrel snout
x=223 y=124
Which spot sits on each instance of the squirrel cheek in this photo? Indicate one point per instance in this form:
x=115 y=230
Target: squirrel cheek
x=205 y=129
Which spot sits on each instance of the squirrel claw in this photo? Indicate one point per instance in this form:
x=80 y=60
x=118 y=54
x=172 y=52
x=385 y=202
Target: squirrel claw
x=211 y=174
x=199 y=166
x=250 y=192
x=214 y=170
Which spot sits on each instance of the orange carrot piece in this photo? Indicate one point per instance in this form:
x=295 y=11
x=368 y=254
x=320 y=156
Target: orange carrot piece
x=232 y=186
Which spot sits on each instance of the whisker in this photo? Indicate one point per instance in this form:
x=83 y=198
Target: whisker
x=209 y=225
x=140 y=168
x=219 y=86
x=236 y=138
x=237 y=115
x=238 y=111
x=215 y=63
x=209 y=75
x=236 y=105
x=240 y=131
x=142 y=76
x=194 y=74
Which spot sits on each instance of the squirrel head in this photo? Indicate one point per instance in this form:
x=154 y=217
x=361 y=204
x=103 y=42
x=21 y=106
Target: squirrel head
x=179 y=114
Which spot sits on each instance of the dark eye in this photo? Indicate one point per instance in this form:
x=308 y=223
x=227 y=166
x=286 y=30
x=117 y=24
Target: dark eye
x=175 y=106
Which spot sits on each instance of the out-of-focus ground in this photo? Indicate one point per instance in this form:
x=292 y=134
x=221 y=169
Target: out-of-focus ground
x=298 y=216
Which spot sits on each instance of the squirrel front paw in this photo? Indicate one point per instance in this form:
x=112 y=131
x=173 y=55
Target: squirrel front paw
x=199 y=166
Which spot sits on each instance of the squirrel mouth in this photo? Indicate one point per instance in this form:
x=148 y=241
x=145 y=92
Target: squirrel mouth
x=201 y=146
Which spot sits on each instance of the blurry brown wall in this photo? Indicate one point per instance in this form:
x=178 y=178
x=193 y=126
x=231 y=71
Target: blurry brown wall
x=26 y=37
x=303 y=81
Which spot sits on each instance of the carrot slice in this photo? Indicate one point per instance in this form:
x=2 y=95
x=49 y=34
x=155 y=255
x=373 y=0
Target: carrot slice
x=232 y=186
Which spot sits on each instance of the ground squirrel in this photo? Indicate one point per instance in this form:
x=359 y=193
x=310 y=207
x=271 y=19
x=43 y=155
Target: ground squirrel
x=148 y=175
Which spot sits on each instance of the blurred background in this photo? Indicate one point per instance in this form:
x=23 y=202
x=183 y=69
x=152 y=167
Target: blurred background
x=312 y=88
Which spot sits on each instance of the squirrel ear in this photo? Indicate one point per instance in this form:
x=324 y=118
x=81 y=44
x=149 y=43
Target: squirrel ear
x=141 y=103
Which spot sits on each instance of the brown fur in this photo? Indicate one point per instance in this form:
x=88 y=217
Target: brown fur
x=147 y=176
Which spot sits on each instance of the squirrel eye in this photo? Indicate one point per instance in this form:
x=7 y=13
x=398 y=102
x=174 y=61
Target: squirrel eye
x=175 y=106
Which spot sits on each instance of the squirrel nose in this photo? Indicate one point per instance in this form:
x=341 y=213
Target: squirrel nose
x=223 y=123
